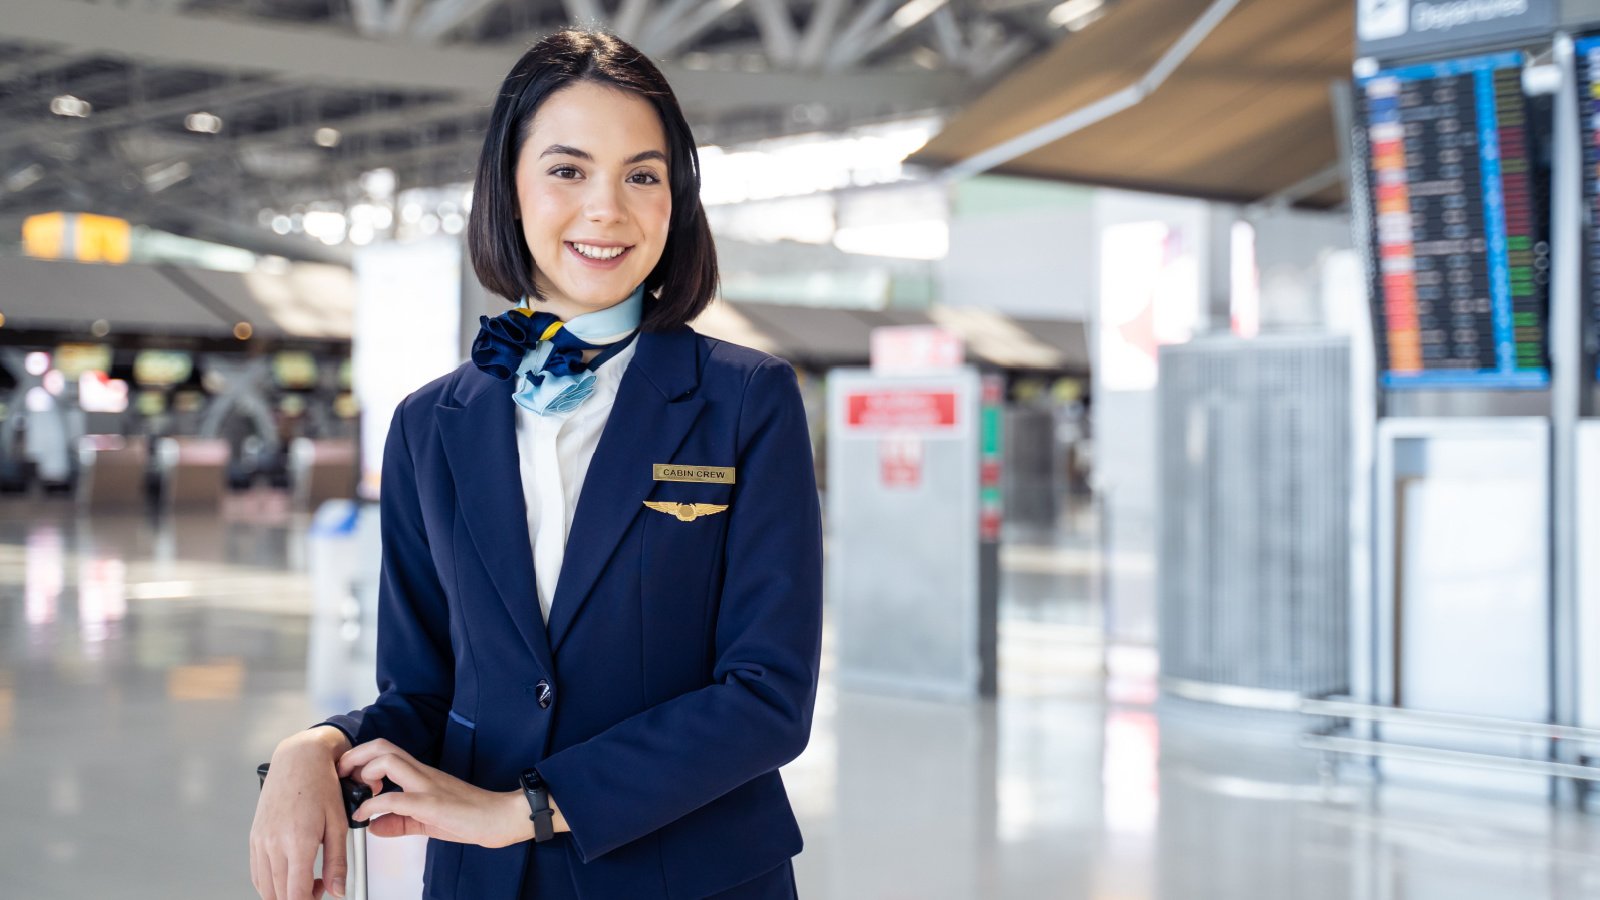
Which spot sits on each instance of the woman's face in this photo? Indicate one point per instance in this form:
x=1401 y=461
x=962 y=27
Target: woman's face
x=593 y=196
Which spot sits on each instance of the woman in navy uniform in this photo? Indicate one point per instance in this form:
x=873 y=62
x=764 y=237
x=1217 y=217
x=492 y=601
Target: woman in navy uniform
x=600 y=607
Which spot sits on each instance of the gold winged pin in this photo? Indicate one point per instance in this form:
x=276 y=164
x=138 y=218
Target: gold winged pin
x=686 y=512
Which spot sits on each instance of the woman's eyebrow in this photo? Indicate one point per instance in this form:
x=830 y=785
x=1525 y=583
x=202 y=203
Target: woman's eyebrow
x=564 y=150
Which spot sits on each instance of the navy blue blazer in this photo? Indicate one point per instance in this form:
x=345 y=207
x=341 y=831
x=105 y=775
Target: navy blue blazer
x=678 y=670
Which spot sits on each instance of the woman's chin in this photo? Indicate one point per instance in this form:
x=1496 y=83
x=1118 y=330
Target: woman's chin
x=591 y=296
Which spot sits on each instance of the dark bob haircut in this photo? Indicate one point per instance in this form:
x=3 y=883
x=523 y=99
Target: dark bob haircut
x=685 y=278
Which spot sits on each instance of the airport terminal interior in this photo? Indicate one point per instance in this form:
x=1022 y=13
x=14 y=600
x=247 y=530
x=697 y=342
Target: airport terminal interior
x=1204 y=400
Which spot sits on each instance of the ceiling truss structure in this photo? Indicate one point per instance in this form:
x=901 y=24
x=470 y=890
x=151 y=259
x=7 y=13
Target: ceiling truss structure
x=406 y=84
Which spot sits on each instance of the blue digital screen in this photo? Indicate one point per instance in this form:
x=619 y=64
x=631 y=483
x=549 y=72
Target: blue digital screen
x=1460 y=261
x=1588 y=59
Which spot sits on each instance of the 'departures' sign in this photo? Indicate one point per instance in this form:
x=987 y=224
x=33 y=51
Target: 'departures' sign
x=1389 y=29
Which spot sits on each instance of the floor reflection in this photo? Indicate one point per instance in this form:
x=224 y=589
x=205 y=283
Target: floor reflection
x=147 y=665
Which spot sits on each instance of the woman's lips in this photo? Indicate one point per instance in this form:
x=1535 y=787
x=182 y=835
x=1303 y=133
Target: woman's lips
x=592 y=263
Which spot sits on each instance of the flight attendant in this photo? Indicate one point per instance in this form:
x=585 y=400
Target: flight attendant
x=600 y=607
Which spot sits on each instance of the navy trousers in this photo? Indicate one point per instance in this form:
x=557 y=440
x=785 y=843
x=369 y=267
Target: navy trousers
x=549 y=877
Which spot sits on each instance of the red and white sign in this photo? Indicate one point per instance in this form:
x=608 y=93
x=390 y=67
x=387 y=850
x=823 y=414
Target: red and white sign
x=989 y=524
x=915 y=348
x=900 y=461
x=900 y=409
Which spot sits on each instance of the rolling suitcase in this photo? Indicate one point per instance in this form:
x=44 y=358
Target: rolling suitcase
x=355 y=793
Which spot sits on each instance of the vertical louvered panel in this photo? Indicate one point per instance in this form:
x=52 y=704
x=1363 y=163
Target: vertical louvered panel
x=1254 y=539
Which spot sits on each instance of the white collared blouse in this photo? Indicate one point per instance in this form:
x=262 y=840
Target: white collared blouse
x=555 y=451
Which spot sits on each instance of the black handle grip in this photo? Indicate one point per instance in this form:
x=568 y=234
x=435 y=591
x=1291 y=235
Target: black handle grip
x=354 y=793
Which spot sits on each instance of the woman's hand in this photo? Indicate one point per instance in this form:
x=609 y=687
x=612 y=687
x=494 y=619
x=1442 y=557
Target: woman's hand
x=300 y=810
x=431 y=802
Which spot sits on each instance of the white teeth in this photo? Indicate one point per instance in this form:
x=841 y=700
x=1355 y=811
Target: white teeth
x=594 y=252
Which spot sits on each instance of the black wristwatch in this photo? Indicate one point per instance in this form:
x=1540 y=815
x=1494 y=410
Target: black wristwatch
x=539 y=805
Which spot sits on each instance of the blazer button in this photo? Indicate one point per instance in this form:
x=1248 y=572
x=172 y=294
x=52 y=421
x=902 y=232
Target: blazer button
x=545 y=693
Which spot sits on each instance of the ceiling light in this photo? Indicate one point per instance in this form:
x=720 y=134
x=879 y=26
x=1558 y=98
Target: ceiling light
x=378 y=183
x=68 y=105
x=158 y=178
x=327 y=137
x=914 y=12
x=326 y=225
x=1074 y=15
x=904 y=240
x=24 y=178
x=203 y=122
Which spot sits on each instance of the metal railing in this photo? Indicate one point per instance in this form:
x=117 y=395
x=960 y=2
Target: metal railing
x=1335 y=740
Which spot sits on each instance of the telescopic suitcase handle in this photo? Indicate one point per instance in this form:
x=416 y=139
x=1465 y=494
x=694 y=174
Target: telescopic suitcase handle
x=354 y=793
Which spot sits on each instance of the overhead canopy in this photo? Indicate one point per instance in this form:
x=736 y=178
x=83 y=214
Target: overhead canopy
x=40 y=294
x=1246 y=116
x=306 y=301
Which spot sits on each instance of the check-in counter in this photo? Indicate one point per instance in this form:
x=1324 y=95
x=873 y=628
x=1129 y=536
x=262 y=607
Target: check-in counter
x=322 y=470
x=111 y=471
x=193 y=471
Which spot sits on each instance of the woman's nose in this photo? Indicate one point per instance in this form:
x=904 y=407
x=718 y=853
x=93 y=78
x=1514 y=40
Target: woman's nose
x=603 y=203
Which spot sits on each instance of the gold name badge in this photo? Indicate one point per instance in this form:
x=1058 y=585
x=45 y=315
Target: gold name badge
x=711 y=474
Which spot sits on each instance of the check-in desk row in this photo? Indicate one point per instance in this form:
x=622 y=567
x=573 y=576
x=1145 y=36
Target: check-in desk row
x=192 y=471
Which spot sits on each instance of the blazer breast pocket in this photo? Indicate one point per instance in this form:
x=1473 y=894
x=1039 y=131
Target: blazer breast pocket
x=681 y=573
x=684 y=529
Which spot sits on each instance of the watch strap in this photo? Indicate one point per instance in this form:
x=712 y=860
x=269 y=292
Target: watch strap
x=539 y=810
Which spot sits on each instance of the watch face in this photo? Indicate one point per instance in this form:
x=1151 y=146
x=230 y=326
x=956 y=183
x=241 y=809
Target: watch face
x=531 y=780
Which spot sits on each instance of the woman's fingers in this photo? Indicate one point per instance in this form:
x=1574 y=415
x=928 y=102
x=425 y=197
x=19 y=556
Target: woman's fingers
x=396 y=825
x=299 y=880
x=404 y=771
x=401 y=802
x=280 y=874
x=361 y=754
x=333 y=852
x=285 y=866
x=261 y=873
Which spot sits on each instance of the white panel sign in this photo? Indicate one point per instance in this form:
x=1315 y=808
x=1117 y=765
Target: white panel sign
x=407 y=333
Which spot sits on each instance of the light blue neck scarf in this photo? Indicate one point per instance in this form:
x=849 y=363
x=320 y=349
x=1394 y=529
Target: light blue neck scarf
x=563 y=393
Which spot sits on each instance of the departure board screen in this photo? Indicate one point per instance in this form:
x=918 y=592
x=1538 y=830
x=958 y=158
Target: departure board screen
x=1460 y=257
x=1588 y=60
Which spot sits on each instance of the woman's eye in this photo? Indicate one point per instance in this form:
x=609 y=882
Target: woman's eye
x=644 y=177
x=564 y=172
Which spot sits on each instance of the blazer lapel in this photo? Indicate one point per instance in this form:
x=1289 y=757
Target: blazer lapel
x=480 y=441
x=654 y=410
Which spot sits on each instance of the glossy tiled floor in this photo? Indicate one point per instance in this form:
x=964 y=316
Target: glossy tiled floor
x=146 y=666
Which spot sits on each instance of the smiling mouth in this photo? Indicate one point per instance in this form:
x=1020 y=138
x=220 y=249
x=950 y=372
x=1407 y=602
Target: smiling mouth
x=598 y=254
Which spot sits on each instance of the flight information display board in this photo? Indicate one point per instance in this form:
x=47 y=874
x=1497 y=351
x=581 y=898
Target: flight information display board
x=1588 y=60
x=1460 y=259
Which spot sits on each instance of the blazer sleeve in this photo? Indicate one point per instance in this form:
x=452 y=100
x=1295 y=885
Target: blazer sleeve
x=655 y=767
x=416 y=672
